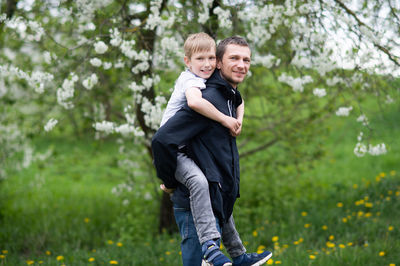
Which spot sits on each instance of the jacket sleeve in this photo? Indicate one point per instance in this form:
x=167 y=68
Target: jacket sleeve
x=238 y=99
x=178 y=130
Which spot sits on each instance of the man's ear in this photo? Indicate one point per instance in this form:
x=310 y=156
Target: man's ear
x=187 y=61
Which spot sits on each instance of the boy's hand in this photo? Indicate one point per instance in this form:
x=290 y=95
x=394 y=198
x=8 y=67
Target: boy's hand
x=238 y=131
x=231 y=123
x=167 y=190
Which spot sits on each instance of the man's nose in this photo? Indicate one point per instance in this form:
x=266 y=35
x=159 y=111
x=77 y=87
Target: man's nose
x=240 y=63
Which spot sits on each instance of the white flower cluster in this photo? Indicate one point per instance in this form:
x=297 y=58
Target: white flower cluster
x=100 y=47
x=155 y=20
x=205 y=15
x=363 y=119
x=89 y=82
x=115 y=36
x=153 y=113
x=361 y=149
x=50 y=124
x=319 y=92
x=267 y=61
x=170 y=45
x=124 y=129
x=223 y=17
x=66 y=92
x=87 y=8
x=389 y=99
x=297 y=84
x=344 y=111
x=48 y=57
x=104 y=126
x=21 y=26
x=335 y=80
x=37 y=79
x=141 y=67
x=96 y=62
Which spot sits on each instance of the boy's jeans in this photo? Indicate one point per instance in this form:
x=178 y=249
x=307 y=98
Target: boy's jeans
x=201 y=218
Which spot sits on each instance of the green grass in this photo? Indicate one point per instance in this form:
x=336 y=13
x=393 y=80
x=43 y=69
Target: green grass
x=64 y=207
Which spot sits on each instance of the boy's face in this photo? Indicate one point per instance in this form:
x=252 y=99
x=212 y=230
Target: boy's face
x=202 y=63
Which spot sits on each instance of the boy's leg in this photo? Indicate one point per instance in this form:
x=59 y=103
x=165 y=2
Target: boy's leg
x=231 y=239
x=190 y=175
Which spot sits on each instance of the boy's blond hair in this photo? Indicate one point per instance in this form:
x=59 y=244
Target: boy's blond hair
x=198 y=42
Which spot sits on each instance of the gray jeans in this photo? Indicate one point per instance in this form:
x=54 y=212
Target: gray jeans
x=191 y=176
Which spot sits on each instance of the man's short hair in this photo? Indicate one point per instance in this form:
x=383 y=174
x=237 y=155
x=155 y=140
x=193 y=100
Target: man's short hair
x=237 y=40
x=198 y=42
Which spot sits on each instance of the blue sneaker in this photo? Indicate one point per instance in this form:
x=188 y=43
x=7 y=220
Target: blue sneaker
x=213 y=255
x=252 y=259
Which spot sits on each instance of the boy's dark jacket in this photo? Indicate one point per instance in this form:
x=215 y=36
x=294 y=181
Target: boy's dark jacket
x=208 y=143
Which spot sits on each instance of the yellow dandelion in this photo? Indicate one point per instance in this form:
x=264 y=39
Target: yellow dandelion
x=86 y=220
x=366 y=244
x=167 y=253
x=2 y=256
x=113 y=262
x=378 y=179
x=303 y=213
x=270 y=262
x=48 y=253
x=245 y=243
x=324 y=227
x=330 y=244
x=369 y=204
x=360 y=213
x=296 y=242
x=94 y=250
x=119 y=244
x=368 y=214
x=255 y=233
x=161 y=259
x=331 y=237
x=301 y=240
x=392 y=173
x=59 y=258
x=41 y=262
x=382 y=253
x=312 y=257
x=378 y=213
x=307 y=225
x=342 y=245
x=388 y=198
x=30 y=262
x=278 y=262
x=339 y=204
x=4 y=251
x=110 y=242
x=397 y=193
x=390 y=192
x=350 y=244
x=344 y=219
x=275 y=238
x=355 y=186
x=91 y=259
x=180 y=253
x=285 y=246
x=392 y=264
x=390 y=228
x=383 y=174
x=261 y=247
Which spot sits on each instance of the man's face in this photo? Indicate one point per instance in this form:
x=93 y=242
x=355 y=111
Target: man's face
x=235 y=63
x=202 y=63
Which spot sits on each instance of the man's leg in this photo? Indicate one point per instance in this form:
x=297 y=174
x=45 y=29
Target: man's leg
x=191 y=176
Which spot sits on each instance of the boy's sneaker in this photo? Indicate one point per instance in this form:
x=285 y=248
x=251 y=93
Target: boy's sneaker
x=213 y=255
x=252 y=259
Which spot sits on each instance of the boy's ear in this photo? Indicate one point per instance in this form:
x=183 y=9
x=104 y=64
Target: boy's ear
x=218 y=64
x=187 y=61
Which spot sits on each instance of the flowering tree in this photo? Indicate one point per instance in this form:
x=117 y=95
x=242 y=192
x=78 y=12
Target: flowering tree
x=109 y=65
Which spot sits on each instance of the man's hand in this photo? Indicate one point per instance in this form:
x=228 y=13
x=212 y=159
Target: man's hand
x=231 y=123
x=167 y=190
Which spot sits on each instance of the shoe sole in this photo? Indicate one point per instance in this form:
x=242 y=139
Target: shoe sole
x=205 y=263
x=264 y=260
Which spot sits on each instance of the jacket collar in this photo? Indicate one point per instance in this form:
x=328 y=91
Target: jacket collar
x=222 y=85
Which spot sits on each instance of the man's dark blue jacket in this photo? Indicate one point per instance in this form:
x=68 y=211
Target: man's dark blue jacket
x=208 y=143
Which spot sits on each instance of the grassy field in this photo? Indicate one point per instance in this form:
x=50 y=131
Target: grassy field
x=344 y=211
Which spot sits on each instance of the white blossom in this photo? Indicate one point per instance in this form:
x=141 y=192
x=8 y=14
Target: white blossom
x=344 y=111
x=265 y=60
x=89 y=82
x=104 y=126
x=107 y=65
x=360 y=150
x=96 y=62
x=223 y=17
x=363 y=119
x=66 y=91
x=297 y=84
x=389 y=99
x=319 y=92
x=141 y=67
x=50 y=124
x=378 y=149
x=100 y=47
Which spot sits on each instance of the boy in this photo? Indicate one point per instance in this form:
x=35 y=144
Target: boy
x=201 y=61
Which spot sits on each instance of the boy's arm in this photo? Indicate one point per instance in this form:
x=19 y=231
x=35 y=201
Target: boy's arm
x=202 y=106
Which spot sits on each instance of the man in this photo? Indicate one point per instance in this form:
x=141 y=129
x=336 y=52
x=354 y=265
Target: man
x=214 y=150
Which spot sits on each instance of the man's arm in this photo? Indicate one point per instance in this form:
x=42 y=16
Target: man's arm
x=239 y=116
x=202 y=106
x=180 y=128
